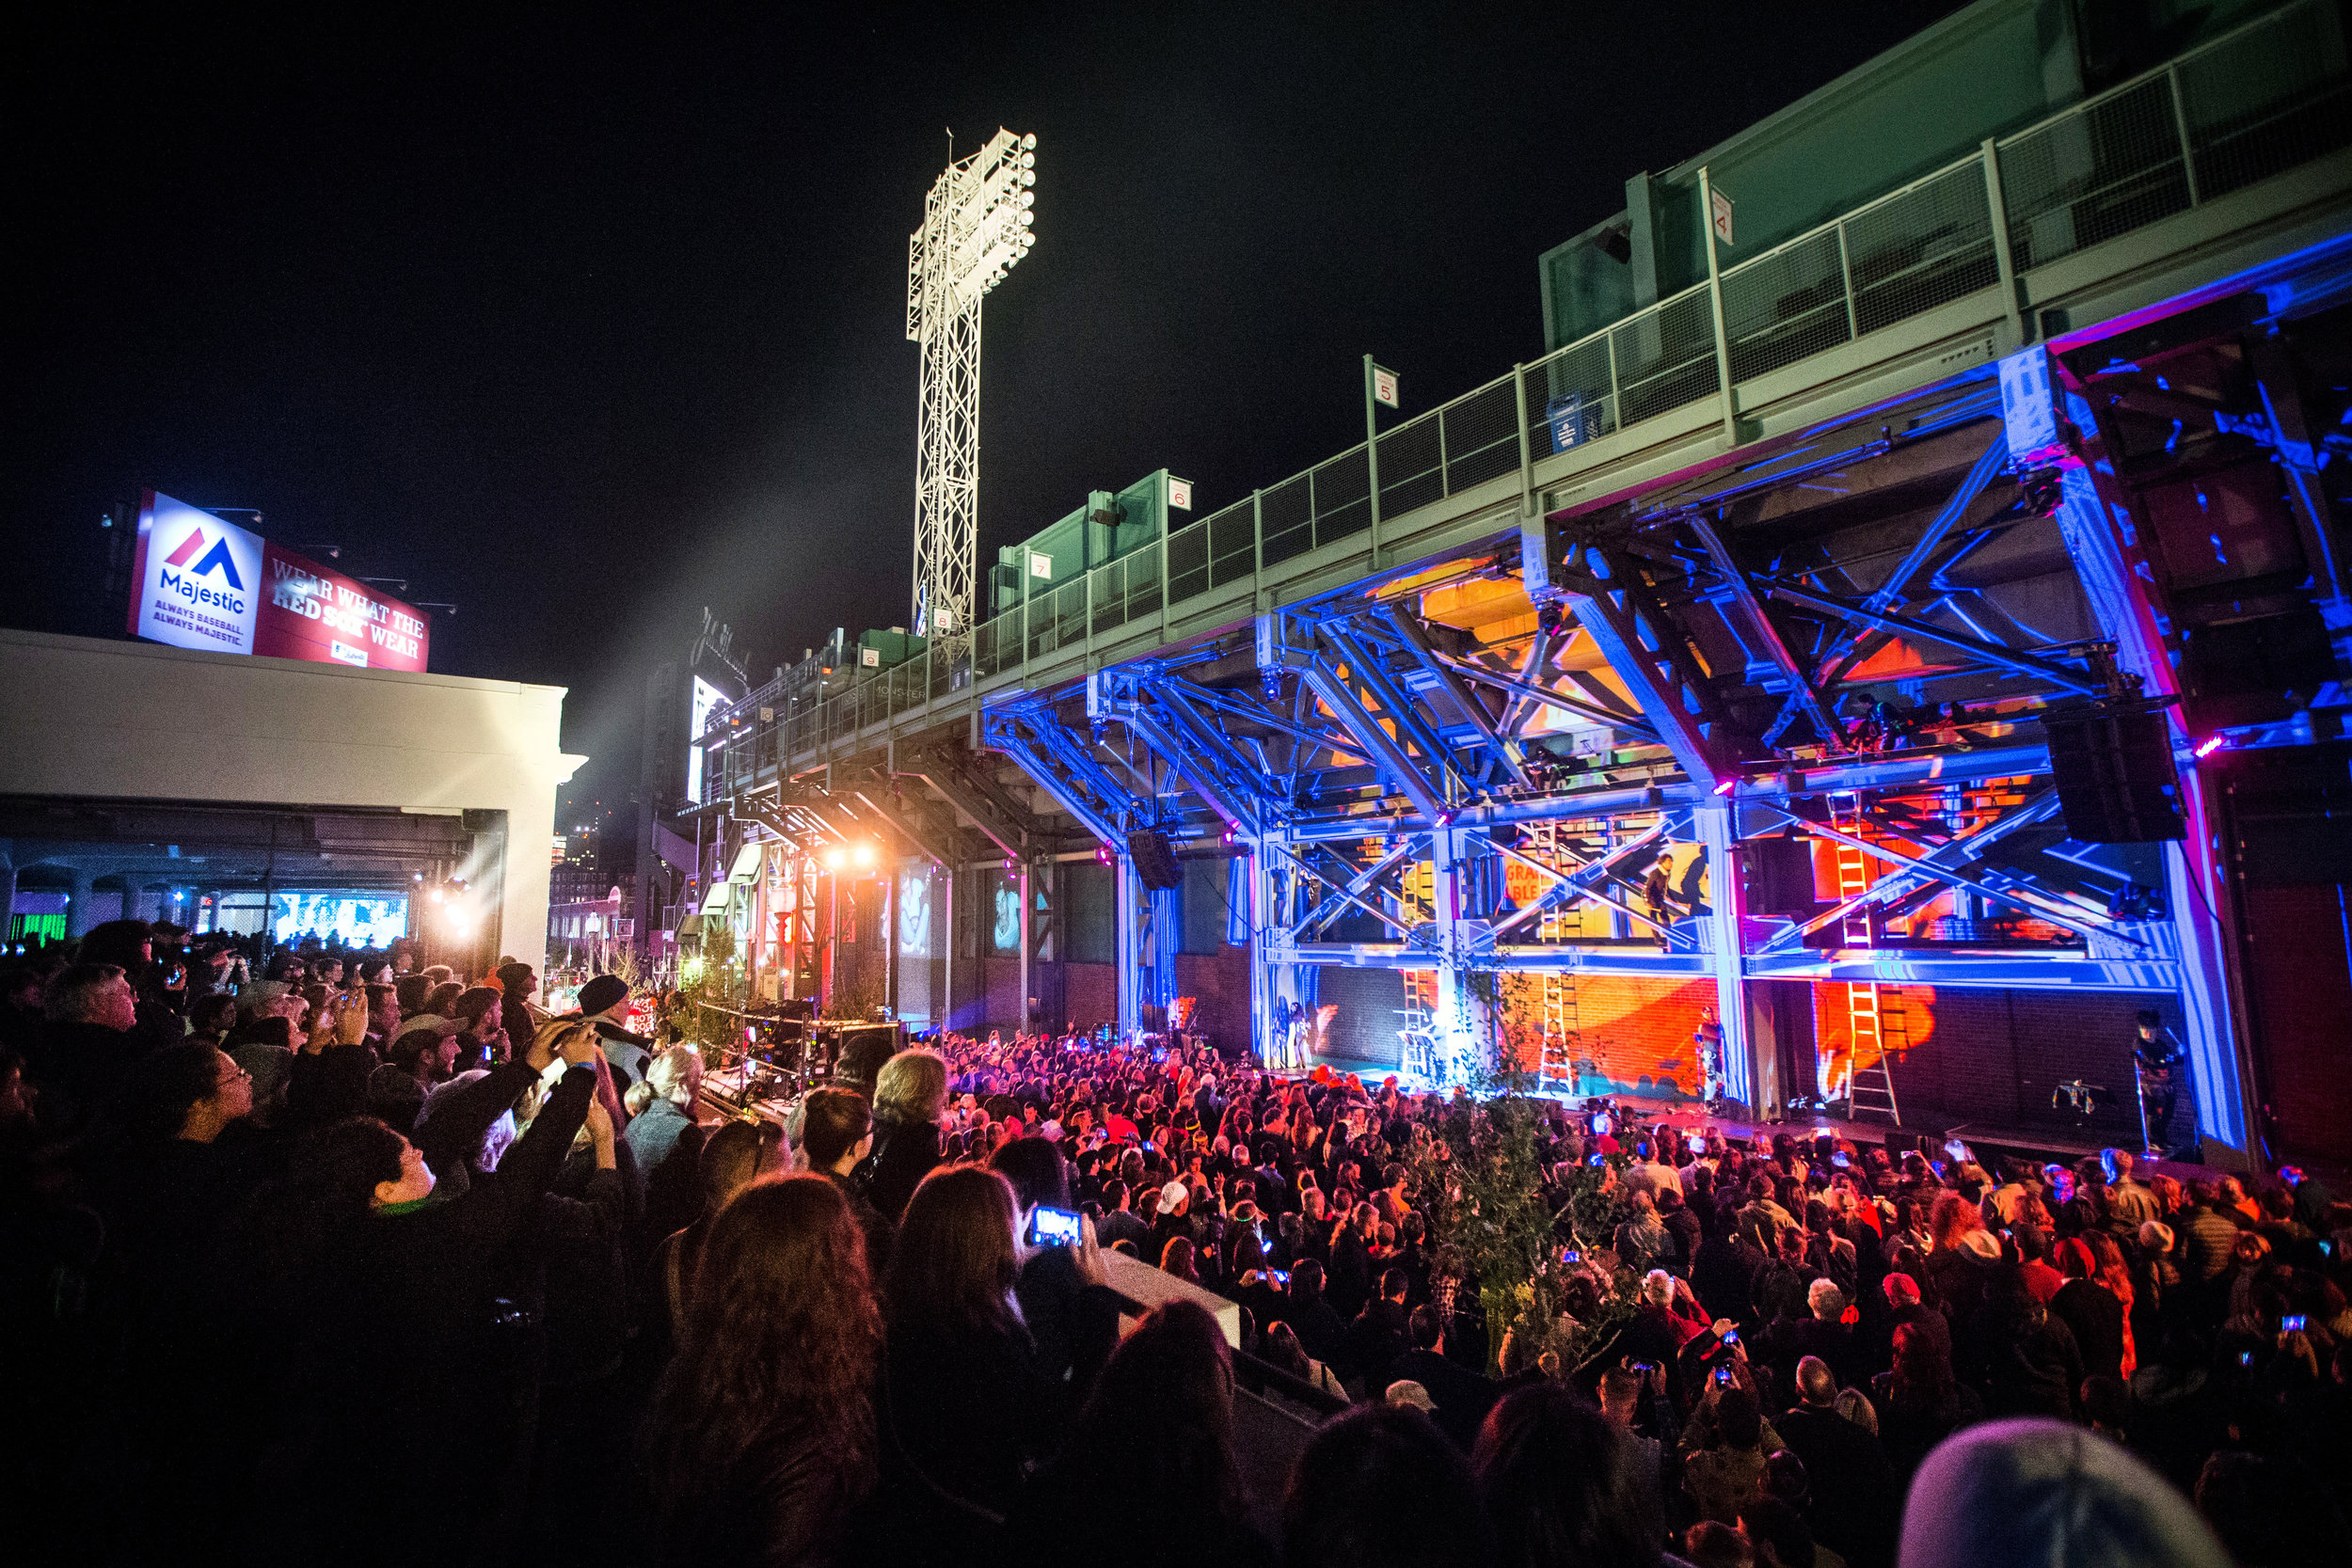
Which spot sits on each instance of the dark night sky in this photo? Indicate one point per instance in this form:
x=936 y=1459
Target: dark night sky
x=585 y=325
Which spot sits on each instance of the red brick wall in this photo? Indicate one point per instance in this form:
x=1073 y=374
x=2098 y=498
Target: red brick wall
x=1220 y=981
x=1632 y=1037
x=1090 y=994
x=2300 y=981
x=1997 y=1055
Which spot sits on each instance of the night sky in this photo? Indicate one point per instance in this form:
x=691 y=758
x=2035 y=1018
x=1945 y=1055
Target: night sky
x=584 y=325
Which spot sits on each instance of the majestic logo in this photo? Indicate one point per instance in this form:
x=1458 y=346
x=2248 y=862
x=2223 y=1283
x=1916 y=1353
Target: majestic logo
x=217 y=558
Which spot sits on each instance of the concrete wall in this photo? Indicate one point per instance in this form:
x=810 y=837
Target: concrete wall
x=82 y=716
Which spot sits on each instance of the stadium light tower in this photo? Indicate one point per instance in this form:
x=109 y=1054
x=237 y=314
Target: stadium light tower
x=976 y=225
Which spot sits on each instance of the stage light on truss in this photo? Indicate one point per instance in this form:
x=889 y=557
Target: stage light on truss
x=2211 y=744
x=1726 y=786
x=833 y=858
x=862 y=852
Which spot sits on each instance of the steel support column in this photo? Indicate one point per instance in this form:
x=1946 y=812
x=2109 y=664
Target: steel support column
x=1130 y=914
x=1726 y=909
x=1453 y=1021
x=2197 y=886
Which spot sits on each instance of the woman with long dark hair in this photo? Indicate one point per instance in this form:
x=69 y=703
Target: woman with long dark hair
x=2095 y=1304
x=966 y=1411
x=1920 y=1402
x=1158 y=1435
x=761 y=1439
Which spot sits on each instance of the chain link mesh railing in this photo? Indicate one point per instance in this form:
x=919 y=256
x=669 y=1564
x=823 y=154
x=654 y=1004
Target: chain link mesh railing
x=1665 y=357
x=2266 y=98
x=2264 y=101
x=1412 y=465
x=1787 y=305
x=1343 y=497
x=2111 y=167
x=1923 y=246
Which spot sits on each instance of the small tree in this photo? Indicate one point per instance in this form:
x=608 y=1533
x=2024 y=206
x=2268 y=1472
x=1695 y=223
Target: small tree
x=1480 y=1182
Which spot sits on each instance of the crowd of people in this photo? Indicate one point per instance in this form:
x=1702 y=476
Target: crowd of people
x=342 y=1262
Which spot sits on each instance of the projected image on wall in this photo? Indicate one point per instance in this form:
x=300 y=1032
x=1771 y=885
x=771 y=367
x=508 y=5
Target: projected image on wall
x=358 y=919
x=1006 y=934
x=915 y=911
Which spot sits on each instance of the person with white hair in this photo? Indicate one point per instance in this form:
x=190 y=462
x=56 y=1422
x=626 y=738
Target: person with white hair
x=673 y=1083
x=1823 y=1332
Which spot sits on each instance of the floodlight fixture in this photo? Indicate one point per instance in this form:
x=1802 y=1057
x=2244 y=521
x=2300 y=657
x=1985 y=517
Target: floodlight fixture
x=978 y=224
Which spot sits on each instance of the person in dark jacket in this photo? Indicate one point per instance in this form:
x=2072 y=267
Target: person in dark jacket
x=1724 y=1273
x=2091 y=1311
x=762 y=1437
x=1461 y=1397
x=965 y=1410
x=517 y=983
x=837 y=1134
x=1162 y=1410
x=1856 y=1498
x=409 y=1289
x=910 y=1096
x=90 y=1048
x=2024 y=1359
x=1377 y=1334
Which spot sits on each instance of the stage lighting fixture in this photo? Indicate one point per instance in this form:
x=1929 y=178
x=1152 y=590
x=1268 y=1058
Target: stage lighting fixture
x=862 y=854
x=2210 y=745
x=833 y=858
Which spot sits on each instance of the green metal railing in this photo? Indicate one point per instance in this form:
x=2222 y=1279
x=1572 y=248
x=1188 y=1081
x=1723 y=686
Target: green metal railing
x=2255 y=102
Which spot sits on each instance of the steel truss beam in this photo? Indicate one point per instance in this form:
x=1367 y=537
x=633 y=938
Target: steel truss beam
x=1416 y=643
x=1981 y=651
x=1366 y=673
x=1001 y=819
x=1896 y=589
x=1803 y=697
x=2035 y=904
x=1346 y=891
x=1581 y=882
x=1052 y=756
x=1613 y=602
x=1912 y=876
x=1327 y=907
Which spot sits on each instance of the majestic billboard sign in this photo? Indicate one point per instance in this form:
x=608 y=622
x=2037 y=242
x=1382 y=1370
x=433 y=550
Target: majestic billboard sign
x=201 y=583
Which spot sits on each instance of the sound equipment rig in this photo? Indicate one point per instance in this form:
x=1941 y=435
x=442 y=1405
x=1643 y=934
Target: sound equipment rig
x=783 y=1056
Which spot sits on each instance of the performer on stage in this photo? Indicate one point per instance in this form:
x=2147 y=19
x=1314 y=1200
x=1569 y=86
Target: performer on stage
x=2158 y=1055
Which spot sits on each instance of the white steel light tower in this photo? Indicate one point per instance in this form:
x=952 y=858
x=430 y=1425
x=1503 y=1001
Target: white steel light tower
x=976 y=228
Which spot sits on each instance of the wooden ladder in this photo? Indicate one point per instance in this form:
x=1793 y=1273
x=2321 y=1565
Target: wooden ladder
x=1874 y=1015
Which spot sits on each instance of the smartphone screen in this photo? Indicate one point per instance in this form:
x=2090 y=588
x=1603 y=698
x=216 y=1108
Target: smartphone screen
x=1569 y=1255
x=1054 y=1228
x=2292 y=1323
x=1282 y=1277
x=1723 y=1374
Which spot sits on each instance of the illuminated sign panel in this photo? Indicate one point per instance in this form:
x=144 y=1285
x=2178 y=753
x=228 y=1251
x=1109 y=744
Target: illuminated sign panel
x=198 y=579
x=206 y=583
x=707 y=698
x=361 y=919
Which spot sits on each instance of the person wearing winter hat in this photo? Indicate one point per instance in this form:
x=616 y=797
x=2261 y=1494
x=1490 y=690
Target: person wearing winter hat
x=2045 y=1492
x=604 y=1001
